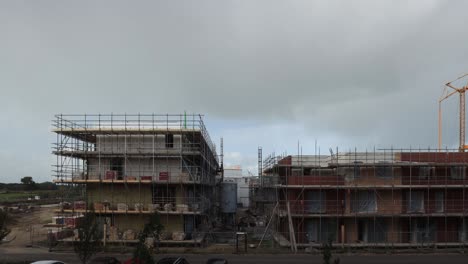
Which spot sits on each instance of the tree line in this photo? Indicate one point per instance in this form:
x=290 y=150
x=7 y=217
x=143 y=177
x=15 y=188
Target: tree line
x=28 y=184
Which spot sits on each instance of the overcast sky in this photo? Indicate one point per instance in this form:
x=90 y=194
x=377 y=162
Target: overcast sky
x=267 y=73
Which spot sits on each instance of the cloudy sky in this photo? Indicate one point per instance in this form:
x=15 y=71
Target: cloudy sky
x=267 y=73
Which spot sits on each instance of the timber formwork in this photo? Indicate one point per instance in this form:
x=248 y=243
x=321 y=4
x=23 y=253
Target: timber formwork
x=387 y=198
x=129 y=166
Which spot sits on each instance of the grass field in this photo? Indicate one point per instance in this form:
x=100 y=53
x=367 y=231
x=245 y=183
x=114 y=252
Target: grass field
x=21 y=196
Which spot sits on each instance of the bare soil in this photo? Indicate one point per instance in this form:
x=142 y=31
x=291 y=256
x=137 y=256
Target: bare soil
x=27 y=228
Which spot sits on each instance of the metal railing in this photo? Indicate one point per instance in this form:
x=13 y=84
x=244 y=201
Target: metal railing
x=132 y=122
x=158 y=173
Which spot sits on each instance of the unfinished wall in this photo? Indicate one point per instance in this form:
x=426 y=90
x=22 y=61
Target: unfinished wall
x=389 y=202
x=172 y=223
x=351 y=235
x=371 y=176
x=134 y=222
x=137 y=168
x=448 y=229
x=335 y=201
x=119 y=193
x=97 y=168
x=144 y=167
x=135 y=143
x=394 y=232
x=181 y=193
x=315 y=180
x=456 y=201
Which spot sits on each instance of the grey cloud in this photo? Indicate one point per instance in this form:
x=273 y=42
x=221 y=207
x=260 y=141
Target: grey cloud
x=367 y=72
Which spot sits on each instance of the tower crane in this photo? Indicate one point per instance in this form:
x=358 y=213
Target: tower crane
x=446 y=94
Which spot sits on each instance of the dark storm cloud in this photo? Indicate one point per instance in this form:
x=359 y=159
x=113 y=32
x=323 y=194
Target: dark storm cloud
x=366 y=72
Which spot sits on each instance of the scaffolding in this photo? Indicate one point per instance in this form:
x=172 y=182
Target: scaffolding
x=129 y=166
x=388 y=198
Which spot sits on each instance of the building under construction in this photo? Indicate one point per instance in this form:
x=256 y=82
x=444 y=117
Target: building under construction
x=129 y=166
x=387 y=198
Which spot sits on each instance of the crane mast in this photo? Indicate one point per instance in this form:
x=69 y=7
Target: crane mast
x=462 y=122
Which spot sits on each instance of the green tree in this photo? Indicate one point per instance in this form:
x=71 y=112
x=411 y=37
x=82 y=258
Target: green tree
x=28 y=182
x=152 y=229
x=327 y=253
x=3 y=225
x=88 y=242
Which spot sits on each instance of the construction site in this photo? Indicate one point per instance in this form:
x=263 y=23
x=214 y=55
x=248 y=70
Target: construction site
x=126 y=167
x=129 y=166
x=386 y=198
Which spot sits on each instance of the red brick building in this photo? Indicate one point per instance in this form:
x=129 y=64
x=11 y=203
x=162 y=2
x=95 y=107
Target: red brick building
x=400 y=198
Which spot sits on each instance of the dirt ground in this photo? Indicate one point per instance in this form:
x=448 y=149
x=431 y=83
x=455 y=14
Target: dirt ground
x=28 y=229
